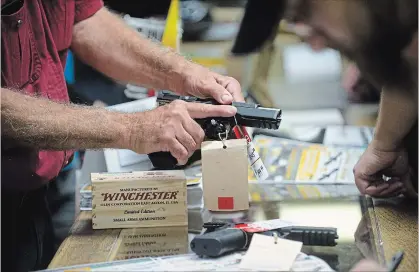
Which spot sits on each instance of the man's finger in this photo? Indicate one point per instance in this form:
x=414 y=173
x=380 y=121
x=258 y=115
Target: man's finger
x=362 y=184
x=194 y=130
x=186 y=140
x=178 y=151
x=233 y=87
x=394 y=194
x=393 y=190
x=197 y=110
x=219 y=93
x=375 y=189
x=381 y=189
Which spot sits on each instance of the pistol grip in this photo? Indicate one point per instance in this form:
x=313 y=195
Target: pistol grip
x=163 y=160
x=217 y=243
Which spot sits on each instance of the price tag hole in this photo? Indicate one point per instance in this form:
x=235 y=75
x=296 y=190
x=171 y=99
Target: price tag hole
x=225 y=147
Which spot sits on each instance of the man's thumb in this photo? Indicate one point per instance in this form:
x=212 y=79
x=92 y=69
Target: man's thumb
x=220 y=94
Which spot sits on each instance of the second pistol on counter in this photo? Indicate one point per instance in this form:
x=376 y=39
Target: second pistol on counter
x=222 y=238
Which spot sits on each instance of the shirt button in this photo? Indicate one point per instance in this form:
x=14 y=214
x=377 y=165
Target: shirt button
x=19 y=23
x=35 y=77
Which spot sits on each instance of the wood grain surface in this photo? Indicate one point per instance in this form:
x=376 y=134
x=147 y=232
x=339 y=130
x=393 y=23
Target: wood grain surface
x=85 y=245
x=394 y=222
x=395 y=227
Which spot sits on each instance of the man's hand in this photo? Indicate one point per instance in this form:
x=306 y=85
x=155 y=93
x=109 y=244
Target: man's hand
x=171 y=128
x=375 y=165
x=201 y=82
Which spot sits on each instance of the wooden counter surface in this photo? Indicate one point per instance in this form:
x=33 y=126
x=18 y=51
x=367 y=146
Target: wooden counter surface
x=395 y=227
x=85 y=245
x=392 y=223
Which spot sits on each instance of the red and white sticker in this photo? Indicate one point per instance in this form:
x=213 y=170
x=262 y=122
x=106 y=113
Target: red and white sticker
x=250 y=228
x=255 y=161
x=263 y=226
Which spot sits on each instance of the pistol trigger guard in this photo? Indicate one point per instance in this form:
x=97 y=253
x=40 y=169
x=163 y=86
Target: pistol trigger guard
x=282 y=235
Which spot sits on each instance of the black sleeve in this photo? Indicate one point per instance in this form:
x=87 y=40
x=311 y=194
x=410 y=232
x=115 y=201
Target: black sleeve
x=260 y=20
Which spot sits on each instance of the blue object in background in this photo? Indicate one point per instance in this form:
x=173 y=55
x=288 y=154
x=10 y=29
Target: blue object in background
x=69 y=69
x=75 y=162
x=70 y=79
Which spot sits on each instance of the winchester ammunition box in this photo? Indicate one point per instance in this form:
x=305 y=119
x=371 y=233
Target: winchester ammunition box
x=139 y=199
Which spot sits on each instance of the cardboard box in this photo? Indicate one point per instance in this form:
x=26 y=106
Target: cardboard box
x=139 y=199
x=145 y=242
x=224 y=175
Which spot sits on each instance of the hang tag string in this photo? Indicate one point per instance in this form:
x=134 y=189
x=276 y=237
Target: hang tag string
x=237 y=130
x=225 y=138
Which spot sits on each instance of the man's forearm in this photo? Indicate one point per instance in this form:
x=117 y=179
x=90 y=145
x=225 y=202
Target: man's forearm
x=44 y=124
x=105 y=42
x=399 y=104
x=398 y=114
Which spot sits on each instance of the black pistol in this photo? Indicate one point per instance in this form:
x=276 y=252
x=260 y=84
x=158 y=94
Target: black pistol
x=223 y=238
x=248 y=115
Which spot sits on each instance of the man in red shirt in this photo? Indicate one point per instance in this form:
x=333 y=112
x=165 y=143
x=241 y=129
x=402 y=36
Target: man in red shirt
x=40 y=127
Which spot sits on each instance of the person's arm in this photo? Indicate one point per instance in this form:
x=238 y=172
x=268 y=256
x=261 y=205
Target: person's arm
x=108 y=44
x=47 y=125
x=105 y=42
x=44 y=124
x=398 y=114
x=399 y=105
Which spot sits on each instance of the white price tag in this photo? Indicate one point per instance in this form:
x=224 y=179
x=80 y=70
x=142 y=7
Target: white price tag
x=305 y=262
x=272 y=224
x=258 y=167
x=267 y=253
x=256 y=162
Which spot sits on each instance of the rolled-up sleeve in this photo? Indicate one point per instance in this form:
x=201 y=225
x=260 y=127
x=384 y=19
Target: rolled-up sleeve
x=86 y=8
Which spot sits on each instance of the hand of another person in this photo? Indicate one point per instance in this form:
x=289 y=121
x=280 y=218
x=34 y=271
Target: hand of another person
x=375 y=166
x=367 y=265
x=310 y=36
x=350 y=78
x=357 y=87
x=201 y=82
x=171 y=128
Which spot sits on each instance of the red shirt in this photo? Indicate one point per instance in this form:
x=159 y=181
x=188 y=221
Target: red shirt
x=34 y=44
